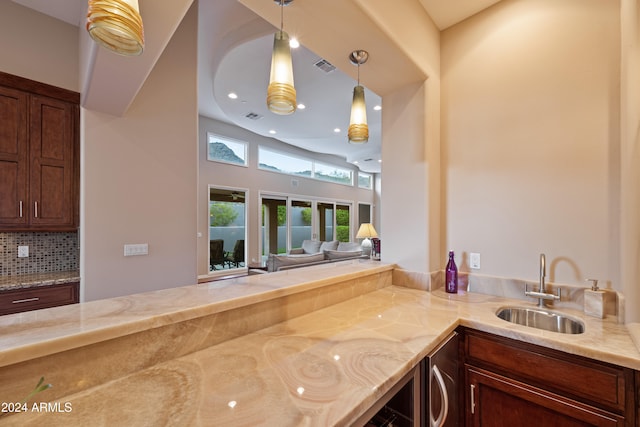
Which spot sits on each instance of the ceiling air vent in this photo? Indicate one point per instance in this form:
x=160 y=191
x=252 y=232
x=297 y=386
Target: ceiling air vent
x=325 y=65
x=253 y=116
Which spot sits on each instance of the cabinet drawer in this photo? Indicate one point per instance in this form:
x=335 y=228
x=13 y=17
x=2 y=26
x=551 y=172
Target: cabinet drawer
x=587 y=380
x=20 y=300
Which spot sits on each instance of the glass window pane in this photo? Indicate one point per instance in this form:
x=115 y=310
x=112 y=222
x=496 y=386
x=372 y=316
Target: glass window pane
x=226 y=229
x=364 y=213
x=279 y=162
x=325 y=219
x=274 y=226
x=221 y=149
x=300 y=222
x=332 y=173
x=343 y=221
x=365 y=180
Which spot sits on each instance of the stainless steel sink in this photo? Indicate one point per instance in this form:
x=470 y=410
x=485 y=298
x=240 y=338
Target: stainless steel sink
x=541 y=319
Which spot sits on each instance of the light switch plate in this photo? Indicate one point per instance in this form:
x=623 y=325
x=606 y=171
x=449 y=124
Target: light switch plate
x=137 y=249
x=23 y=251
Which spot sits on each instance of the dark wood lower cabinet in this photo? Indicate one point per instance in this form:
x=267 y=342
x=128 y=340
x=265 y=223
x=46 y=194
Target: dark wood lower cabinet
x=496 y=401
x=506 y=382
x=513 y=383
x=20 y=300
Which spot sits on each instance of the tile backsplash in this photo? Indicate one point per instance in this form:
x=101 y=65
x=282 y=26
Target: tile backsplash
x=48 y=253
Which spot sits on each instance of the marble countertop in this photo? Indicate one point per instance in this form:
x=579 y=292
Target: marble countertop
x=320 y=369
x=23 y=281
x=38 y=333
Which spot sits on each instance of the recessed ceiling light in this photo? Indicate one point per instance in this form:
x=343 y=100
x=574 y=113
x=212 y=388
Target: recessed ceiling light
x=336 y=130
x=272 y=132
x=294 y=43
x=233 y=95
x=380 y=161
x=377 y=107
x=301 y=106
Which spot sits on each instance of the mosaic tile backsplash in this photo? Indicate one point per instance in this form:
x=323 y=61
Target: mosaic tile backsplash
x=48 y=253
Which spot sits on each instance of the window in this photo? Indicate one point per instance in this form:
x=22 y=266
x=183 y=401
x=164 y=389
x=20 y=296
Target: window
x=364 y=213
x=343 y=223
x=274 y=226
x=284 y=163
x=301 y=222
x=325 y=220
x=287 y=222
x=222 y=149
x=227 y=229
x=365 y=180
x=332 y=173
x=293 y=165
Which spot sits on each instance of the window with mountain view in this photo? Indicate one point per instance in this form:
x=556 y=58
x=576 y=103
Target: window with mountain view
x=222 y=149
x=276 y=161
x=332 y=173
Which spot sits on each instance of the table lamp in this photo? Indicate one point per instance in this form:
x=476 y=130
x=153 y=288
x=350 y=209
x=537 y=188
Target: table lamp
x=366 y=232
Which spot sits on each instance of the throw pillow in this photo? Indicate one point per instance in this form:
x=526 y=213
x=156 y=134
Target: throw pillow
x=329 y=246
x=311 y=246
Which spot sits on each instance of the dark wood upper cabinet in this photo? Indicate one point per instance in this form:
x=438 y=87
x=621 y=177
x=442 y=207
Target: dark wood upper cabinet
x=39 y=156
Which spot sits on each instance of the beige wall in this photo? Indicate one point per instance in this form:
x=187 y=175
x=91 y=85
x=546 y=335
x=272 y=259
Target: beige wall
x=410 y=198
x=257 y=182
x=530 y=134
x=630 y=156
x=139 y=180
x=38 y=47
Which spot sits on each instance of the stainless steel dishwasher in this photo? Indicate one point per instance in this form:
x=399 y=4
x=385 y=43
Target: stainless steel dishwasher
x=440 y=385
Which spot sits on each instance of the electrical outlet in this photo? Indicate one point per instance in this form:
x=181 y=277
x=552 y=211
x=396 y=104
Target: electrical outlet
x=23 y=251
x=474 y=261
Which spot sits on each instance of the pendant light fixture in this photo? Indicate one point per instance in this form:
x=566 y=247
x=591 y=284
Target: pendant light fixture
x=358 y=129
x=281 y=95
x=116 y=25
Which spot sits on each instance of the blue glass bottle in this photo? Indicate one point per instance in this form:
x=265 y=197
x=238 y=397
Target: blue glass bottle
x=451 y=275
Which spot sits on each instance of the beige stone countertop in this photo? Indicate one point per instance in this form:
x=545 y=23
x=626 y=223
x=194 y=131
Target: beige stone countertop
x=22 y=281
x=25 y=336
x=321 y=369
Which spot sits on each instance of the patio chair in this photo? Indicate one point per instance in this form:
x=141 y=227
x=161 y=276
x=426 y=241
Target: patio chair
x=216 y=254
x=236 y=257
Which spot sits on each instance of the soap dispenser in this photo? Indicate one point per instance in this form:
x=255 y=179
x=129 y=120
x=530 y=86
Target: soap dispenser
x=594 y=300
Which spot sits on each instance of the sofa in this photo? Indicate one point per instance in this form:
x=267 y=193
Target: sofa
x=313 y=252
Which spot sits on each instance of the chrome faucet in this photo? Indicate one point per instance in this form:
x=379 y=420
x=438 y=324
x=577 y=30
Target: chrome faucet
x=541 y=293
x=543 y=272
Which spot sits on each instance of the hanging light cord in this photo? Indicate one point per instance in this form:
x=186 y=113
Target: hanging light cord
x=281 y=15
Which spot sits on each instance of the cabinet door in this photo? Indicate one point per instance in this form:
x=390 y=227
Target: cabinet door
x=493 y=401
x=51 y=141
x=13 y=157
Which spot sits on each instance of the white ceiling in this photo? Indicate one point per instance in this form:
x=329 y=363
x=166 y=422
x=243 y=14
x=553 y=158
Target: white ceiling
x=234 y=54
